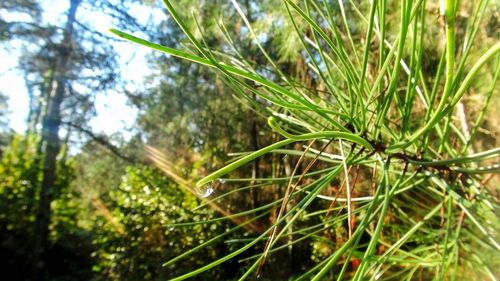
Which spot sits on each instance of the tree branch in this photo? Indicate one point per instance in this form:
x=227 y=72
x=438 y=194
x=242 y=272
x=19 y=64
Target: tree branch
x=104 y=142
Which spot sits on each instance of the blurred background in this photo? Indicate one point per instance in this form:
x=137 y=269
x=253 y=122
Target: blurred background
x=101 y=140
x=79 y=198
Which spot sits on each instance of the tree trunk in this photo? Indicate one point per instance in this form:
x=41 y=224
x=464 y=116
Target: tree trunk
x=254 y=145
x=254 y=130
x=51 y=146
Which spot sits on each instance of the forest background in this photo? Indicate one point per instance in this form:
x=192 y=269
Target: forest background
x=80 y=203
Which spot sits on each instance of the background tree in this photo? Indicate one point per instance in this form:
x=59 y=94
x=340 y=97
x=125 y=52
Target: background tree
x=65 y=67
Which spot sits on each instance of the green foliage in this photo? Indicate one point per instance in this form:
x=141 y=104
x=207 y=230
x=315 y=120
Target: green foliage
x=342 y=140
x=367 y=101
x=145 y=208
x=118 y=227
x=18 y=182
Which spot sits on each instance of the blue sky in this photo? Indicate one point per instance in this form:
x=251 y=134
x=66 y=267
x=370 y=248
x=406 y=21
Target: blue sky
x=113 y=113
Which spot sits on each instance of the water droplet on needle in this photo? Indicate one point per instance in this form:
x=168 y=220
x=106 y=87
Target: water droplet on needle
x=205 y=191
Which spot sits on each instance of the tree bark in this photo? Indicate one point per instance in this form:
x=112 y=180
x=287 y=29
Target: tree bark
x=51 y=146
x=254 y=145
x=254 y=130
